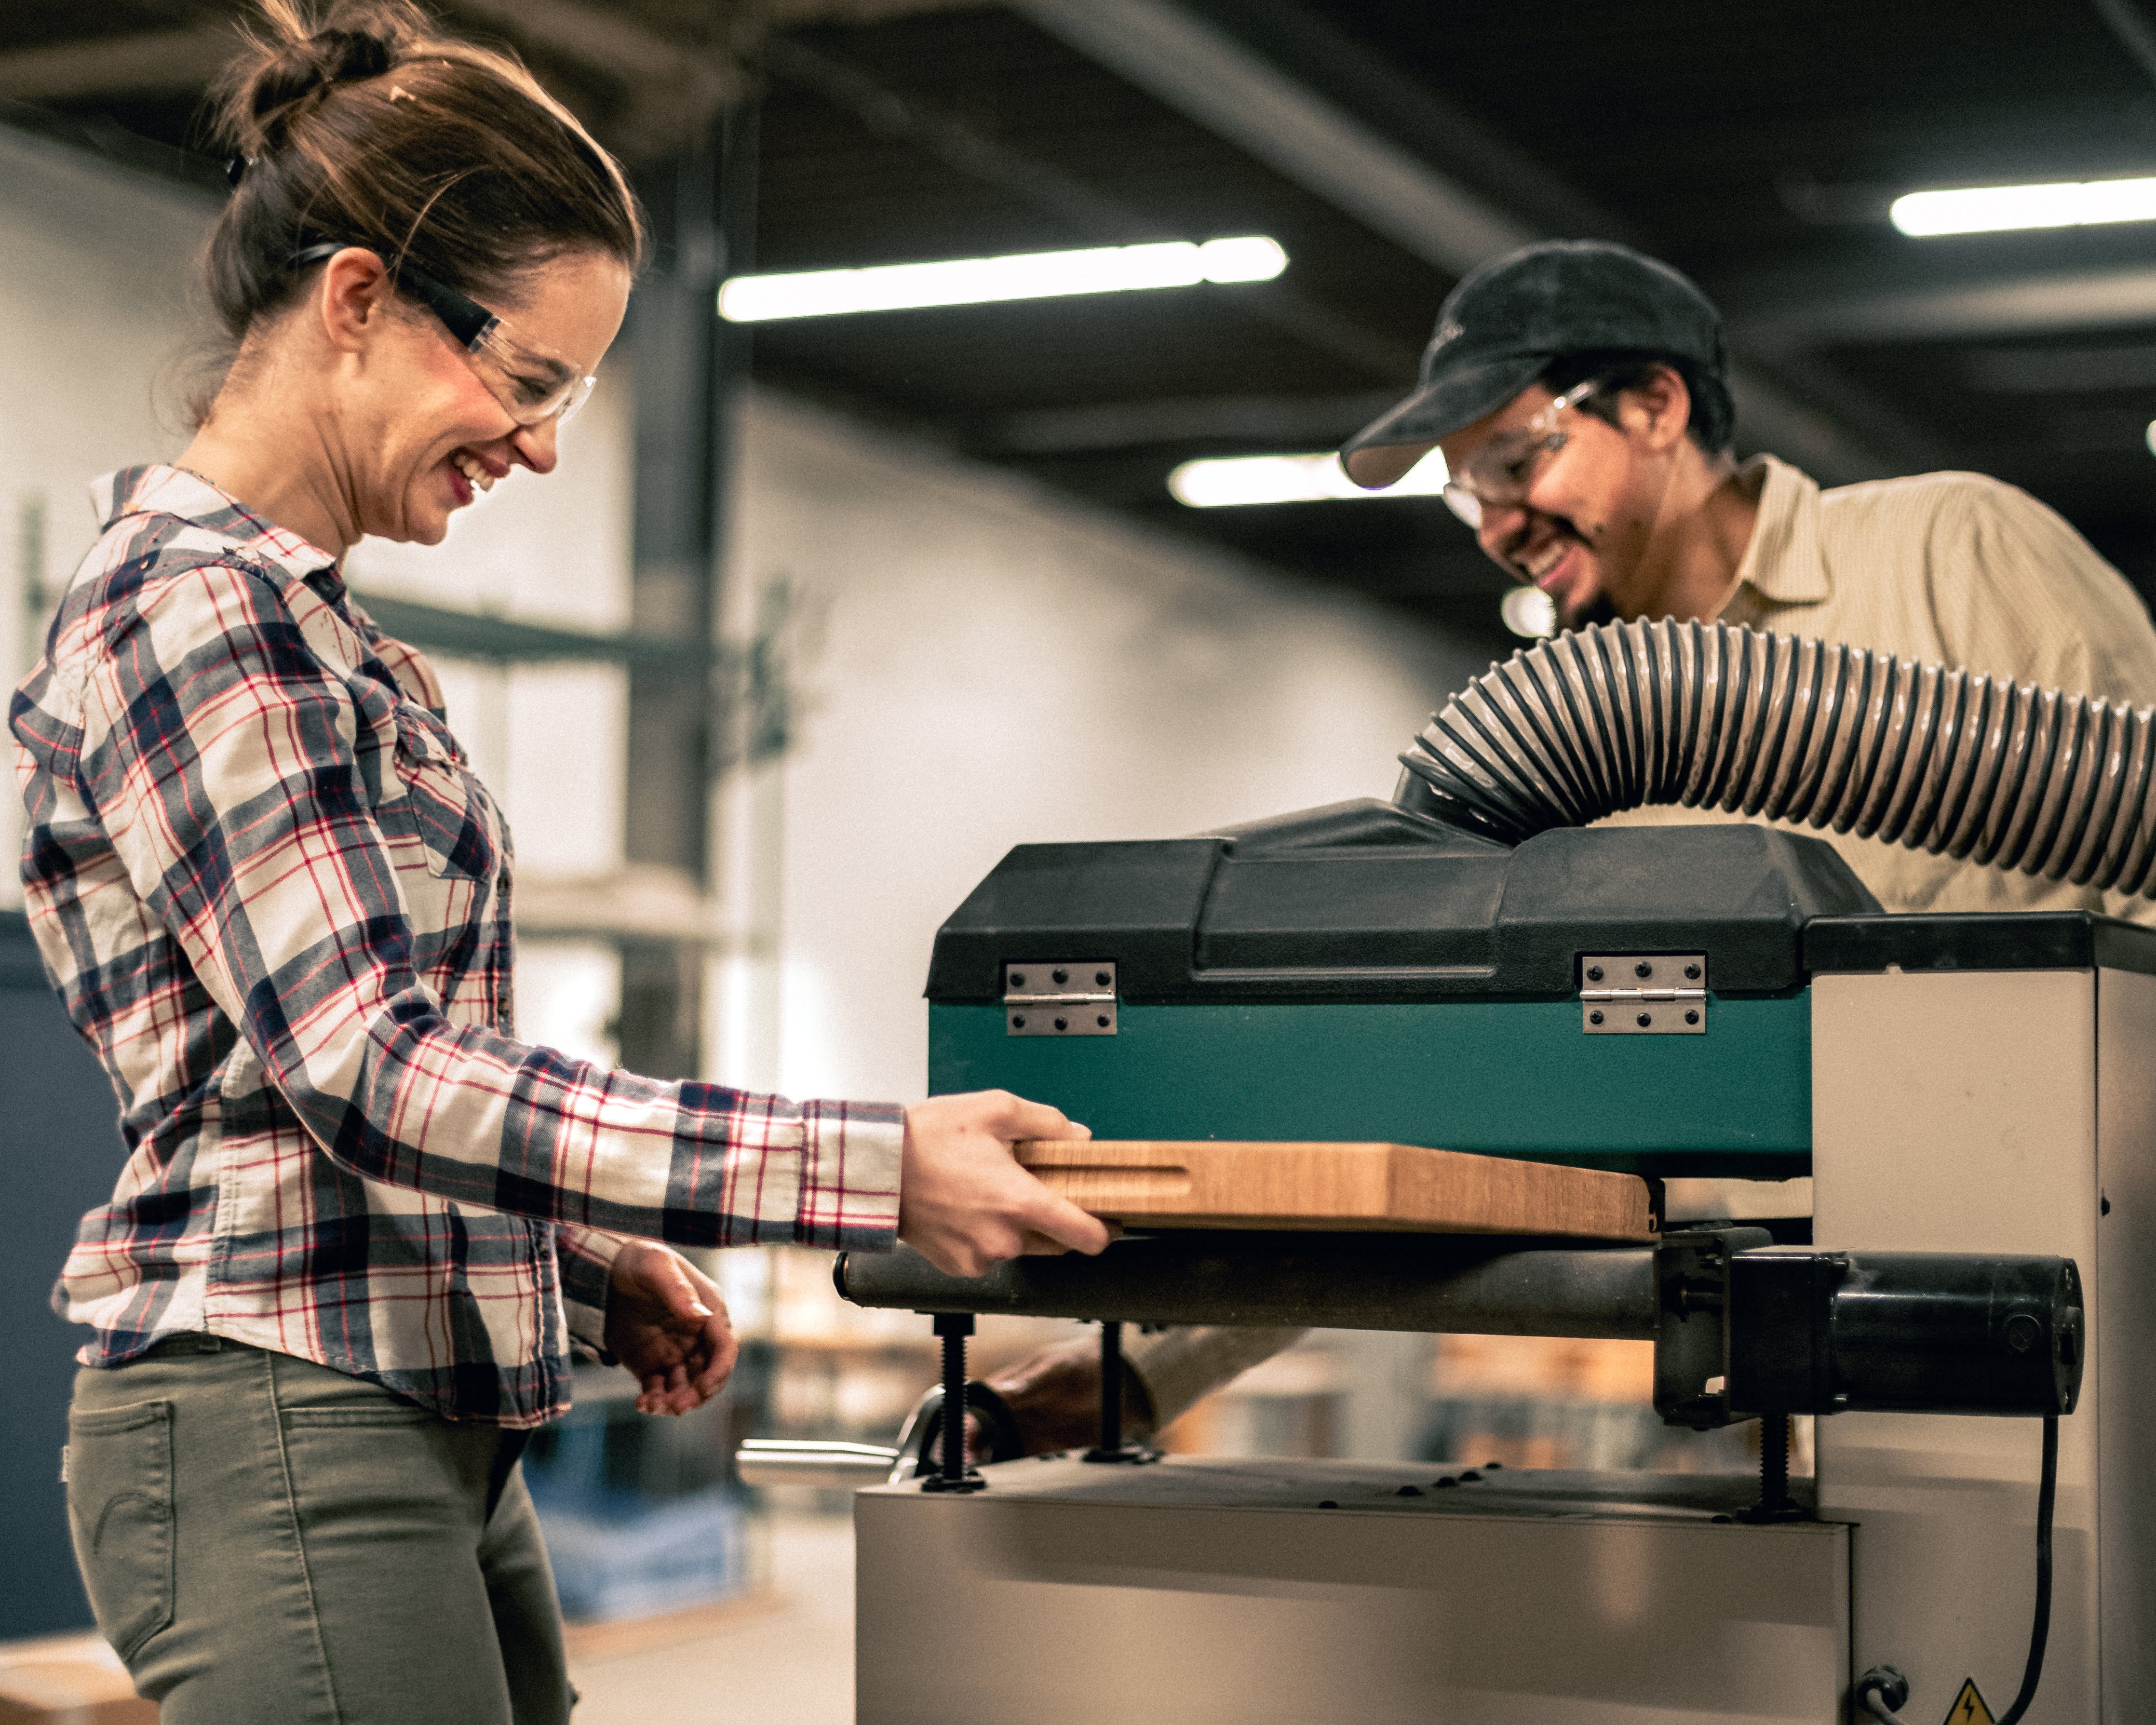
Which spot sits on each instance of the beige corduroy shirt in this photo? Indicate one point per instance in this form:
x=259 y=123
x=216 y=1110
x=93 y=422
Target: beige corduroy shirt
x=1948 y=569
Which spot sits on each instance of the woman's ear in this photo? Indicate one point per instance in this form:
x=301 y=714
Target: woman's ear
x=351 y=297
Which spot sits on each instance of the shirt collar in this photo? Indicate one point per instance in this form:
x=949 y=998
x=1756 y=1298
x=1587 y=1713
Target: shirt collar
x=161 y=489
x=1783 y=564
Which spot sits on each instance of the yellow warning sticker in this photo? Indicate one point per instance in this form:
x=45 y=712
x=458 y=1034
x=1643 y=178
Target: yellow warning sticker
x=1968 y=1707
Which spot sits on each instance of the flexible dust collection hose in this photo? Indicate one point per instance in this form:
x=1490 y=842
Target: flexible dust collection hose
x=1718 y=716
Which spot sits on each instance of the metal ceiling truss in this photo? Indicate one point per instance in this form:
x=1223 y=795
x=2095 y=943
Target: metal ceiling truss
x=1187 y=56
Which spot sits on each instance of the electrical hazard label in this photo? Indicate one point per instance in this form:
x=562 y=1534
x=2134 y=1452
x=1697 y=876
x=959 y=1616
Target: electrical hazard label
x=1968 y=1707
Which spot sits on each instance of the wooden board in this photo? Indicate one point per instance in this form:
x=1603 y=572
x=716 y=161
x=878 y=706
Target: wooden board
x=1209 y=1184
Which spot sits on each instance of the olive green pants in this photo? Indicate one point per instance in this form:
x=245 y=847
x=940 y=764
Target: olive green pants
x=266 y=1541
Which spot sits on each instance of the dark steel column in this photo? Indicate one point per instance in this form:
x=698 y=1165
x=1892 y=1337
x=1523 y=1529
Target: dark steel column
x=688 y=368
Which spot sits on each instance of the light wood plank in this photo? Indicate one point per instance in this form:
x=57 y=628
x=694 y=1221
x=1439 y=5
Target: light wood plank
x=1205 y=1183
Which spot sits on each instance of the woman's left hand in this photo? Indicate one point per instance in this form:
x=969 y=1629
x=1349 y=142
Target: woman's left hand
x=667 y=1325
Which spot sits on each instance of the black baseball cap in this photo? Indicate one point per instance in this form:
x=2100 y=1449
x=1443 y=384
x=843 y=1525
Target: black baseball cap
x=1506 y=322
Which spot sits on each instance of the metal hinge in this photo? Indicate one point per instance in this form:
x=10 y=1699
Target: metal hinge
x=1059 y=998
x=1642 y=994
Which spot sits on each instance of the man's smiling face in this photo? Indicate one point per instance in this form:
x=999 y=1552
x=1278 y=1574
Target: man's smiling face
x=1584 y=511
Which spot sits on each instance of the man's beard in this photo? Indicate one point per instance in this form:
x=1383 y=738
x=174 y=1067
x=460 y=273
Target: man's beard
x=1597 y=609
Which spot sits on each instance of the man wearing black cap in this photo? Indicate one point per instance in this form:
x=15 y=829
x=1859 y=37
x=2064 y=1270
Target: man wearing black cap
x=1576 y=390
x=1525 y=348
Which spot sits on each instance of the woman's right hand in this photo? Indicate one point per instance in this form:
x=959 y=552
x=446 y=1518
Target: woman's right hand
x=963 y=1201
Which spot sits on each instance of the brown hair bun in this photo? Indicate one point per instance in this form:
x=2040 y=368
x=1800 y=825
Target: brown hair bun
x=294 y=71
x=360 y=121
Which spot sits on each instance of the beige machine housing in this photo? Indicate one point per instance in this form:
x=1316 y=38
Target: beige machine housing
x=1999 y=1111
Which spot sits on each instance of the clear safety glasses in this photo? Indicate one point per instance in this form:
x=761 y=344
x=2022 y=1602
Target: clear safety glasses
x=1501 y=473
x=532 y=387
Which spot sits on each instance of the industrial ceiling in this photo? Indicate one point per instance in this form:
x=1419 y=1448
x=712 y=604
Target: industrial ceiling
x=1388 y=145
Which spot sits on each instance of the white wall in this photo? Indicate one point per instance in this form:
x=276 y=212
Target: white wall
x=93 y=285
x=1000 y=666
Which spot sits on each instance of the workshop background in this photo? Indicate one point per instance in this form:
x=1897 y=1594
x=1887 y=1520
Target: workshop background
x=820 y=615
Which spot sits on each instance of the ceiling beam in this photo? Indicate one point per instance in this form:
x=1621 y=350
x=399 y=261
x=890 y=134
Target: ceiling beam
x=611 y=38
x=2038 y=303
x=675 y=83
x=1086 y=212
x=1176 y=52
x=607 y=37
x=2135 y=33
x=1180 y=59
x=679 y=72
x=788 y=14
x=166 y=61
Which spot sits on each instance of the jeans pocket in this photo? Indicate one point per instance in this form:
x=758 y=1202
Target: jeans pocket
x=119 y=1513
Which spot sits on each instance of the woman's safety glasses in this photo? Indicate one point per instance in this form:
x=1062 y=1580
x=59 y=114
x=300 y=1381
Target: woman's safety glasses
x=1500 y=473
x=532 y=387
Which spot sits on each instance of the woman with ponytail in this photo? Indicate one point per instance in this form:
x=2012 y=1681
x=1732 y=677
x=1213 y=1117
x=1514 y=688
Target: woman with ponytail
x=360 y=1223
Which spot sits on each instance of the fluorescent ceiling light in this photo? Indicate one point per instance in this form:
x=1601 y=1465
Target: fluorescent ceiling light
x=1996 y=209
x=978 y=281
x=1222 y=480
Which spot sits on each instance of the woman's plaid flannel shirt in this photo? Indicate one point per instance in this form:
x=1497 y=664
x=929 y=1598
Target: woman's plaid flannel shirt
x=276 y=904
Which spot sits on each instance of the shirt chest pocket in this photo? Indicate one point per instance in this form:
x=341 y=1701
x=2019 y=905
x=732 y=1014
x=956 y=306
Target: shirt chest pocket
x=442 y=807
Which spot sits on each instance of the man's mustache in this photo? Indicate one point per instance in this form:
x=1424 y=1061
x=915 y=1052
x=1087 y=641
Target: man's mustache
x=1530 y=527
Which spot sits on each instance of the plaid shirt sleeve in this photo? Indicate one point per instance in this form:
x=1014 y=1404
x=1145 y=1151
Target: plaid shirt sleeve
x=586 y=1256
x=225 y=759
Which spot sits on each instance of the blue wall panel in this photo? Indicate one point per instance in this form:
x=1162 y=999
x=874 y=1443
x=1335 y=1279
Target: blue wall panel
x=60 y=1147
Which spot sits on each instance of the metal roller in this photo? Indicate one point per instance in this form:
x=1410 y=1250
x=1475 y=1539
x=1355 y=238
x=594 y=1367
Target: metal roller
x=1717 y=715
x=1435 y=1283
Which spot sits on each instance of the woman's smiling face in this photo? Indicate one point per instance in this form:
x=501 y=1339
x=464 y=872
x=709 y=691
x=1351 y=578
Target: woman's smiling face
x=422 y=425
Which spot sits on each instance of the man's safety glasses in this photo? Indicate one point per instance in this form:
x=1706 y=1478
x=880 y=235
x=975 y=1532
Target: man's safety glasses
x=1501 y=473
x=532 y=387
